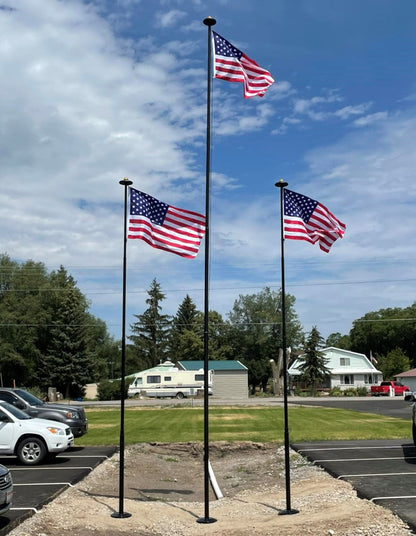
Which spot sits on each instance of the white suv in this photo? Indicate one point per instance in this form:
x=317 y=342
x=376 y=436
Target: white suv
x=31 y=439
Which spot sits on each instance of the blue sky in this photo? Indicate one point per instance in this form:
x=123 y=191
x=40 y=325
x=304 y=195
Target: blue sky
x=95 y=91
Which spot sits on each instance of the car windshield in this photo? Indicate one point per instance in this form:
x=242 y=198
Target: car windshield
x=29 y=398
x=15 y=411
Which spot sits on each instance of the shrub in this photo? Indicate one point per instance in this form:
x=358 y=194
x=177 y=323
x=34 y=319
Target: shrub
x=351 y=391
x=362 y=391
x=36 y=391
x=110 y=390
x=335 y=391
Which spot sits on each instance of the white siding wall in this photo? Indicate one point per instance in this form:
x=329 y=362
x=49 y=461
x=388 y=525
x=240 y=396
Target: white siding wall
x=230 y=384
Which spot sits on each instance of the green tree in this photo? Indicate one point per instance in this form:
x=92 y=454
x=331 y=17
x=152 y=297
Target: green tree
x=338 y=341
x=22 y=315
x=255 y=332
x=395 y=362
x=104 y=351
x=150 y=332
x=185 y=330
x=31 y=300
x=381 y=331
x=313 y=362
x=67 y=364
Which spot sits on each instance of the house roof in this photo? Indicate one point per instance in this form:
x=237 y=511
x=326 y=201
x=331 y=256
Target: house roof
x=408 y=374
x=355 y=363
x=212 y=365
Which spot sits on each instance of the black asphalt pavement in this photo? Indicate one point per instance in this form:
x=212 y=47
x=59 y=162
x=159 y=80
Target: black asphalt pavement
x=36 y=486
x=380 y=405
x=383 y=471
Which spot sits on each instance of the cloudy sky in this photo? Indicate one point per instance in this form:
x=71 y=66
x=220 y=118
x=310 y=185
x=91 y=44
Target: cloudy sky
x=94 y=91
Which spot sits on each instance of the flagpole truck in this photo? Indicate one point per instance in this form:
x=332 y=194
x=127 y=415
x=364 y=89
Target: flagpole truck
x=167 y=381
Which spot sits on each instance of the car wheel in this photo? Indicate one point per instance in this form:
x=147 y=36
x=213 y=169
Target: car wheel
x=31 y=451
x=179 y=395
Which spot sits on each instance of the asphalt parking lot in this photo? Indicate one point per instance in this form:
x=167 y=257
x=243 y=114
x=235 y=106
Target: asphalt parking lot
x=38 y=485
x=383 y=471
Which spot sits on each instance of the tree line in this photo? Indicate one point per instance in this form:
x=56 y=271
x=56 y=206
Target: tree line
x=48 y=337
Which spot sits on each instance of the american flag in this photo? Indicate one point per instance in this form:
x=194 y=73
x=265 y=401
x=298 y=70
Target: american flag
x=234 y=66
x=163 y=226
x=306 y=219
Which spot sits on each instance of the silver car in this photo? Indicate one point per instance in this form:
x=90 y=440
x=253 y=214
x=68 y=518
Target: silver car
x=6 y=489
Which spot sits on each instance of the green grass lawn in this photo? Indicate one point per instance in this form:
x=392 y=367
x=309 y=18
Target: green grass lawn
x=170 y=425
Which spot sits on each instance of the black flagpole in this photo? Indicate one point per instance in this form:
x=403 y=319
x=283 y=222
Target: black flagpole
x=209 y=21
x=121 y=514
x=282 y=184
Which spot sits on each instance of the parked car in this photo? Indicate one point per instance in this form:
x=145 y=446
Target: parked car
x=31 y=439
x=411 y=397
x=73 y=416
x=6 y=489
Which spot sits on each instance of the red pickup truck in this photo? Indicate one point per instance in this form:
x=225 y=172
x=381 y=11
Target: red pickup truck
x=384 y=388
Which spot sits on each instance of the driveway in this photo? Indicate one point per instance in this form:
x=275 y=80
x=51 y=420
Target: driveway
x=38 y=485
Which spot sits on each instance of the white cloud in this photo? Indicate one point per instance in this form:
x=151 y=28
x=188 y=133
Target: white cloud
x=348 y=111
x=169 y=18
x=368 y=119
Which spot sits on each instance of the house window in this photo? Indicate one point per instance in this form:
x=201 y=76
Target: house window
x=370 y=378
x=347 y=379
x=344 y=361
x=153 y=379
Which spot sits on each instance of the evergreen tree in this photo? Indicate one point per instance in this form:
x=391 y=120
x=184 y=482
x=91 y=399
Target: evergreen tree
x=313 y=362
x=67 y=364
x=185 y=328
x=150 y=332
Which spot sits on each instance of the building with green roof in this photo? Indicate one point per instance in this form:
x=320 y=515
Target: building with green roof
x=230 y=379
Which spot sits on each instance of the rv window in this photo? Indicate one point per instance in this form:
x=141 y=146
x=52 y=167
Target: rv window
x=138 y=381
x=167 y=378
x=199 y=377
x=153 y=379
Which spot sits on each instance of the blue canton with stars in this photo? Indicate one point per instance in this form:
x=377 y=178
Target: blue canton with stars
x=224 y=48
x=142 y=204
x=298 y=205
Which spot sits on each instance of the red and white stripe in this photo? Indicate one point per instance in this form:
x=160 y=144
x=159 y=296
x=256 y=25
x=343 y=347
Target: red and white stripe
x=322 y=227
x=181 y=232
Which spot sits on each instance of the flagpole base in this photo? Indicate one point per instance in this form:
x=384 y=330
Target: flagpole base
x=120 y=515
x=288 y=512
x=206 y=520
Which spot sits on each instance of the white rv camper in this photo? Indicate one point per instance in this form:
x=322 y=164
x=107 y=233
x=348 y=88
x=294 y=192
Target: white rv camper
x=166 y=380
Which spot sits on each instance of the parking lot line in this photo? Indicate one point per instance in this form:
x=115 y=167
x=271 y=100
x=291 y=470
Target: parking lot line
x=46 y=484
x=376 y=474
x=31 y=508
x=48 y=468
x=81 y=456
x=393 y=497
x=353 y=448
x=365 y=459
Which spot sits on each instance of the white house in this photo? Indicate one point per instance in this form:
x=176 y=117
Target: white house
x=348 y=369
